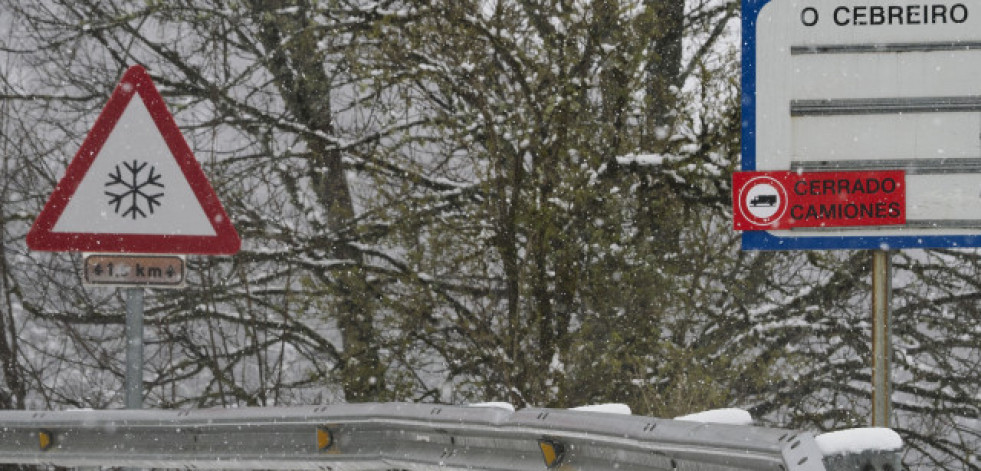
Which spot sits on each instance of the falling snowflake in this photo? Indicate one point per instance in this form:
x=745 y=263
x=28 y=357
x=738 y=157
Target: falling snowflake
x=134 y=195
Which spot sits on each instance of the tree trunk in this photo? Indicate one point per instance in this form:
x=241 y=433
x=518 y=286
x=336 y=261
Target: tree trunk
x=297 y=57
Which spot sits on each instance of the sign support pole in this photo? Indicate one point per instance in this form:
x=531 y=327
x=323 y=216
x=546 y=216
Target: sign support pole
x=881 y=338
x=134 y=348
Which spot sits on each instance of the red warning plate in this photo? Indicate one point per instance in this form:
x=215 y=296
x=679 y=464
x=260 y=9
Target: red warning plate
x=785 y=200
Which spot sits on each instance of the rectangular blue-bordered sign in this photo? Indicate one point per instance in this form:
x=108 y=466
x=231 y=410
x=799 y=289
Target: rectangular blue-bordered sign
x=835 y=86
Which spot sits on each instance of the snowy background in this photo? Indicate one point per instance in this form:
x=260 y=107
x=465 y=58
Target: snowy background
x=458 y=201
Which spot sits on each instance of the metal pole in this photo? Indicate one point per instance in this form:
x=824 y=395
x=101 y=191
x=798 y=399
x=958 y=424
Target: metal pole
x=881 y=338
x=134 y=348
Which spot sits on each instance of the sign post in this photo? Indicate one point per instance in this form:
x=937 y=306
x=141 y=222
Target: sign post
x=134 y=348
x=881 y=338
x=136 y=196
x=880 y=86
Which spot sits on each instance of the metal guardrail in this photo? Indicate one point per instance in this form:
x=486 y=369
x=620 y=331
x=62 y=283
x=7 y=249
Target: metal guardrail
x=395 y=437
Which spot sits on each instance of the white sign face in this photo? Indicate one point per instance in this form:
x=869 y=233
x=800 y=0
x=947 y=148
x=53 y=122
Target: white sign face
x=135 y=186
x=876 y=85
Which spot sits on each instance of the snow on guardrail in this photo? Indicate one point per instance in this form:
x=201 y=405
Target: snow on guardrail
x=420 y=437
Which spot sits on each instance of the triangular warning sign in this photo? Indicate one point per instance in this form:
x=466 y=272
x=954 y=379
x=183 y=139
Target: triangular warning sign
x=134 y=186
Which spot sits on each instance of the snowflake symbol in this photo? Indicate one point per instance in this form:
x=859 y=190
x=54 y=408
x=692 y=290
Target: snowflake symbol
x=134 y=194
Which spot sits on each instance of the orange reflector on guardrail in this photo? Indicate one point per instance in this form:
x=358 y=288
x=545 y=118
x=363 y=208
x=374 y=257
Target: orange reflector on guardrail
x=45 y=439
x=552 y=452
x=324 y=439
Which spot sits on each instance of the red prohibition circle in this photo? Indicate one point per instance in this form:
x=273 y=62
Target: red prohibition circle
x=758 y=211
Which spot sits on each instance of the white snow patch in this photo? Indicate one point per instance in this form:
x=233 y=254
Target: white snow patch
x=556 y=23
x=621 y=409
x=857 y=440
x=729 y=416
x=494 y=405
x=642 y=159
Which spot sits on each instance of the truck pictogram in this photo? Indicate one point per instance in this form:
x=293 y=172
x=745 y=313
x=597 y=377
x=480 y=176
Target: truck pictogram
x=763 y=200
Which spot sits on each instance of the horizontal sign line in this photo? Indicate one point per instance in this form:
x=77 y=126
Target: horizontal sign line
x=910 y=224
x=911 y=166
x=855 y=106
x=885 y=48
x=943 y=223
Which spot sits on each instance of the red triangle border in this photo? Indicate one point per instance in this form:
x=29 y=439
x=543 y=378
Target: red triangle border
x=135 y=82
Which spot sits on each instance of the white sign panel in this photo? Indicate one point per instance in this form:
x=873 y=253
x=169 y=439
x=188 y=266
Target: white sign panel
x=872 y=86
